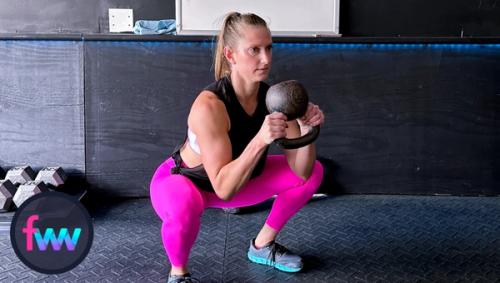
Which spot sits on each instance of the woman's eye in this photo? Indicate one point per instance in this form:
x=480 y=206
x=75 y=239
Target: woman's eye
x=254 y=50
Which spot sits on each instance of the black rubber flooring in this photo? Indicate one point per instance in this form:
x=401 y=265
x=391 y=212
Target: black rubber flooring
x=342 y=239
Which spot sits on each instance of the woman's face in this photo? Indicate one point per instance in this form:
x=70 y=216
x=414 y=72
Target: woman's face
x=252 y=55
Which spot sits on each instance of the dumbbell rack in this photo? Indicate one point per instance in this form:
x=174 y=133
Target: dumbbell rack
x=7 y=216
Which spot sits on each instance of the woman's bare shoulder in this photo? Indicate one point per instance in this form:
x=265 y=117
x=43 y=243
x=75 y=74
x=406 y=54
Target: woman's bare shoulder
x=207 y=98
x=208 y=108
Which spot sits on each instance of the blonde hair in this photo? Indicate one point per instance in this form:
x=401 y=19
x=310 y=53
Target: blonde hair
x=228 y=36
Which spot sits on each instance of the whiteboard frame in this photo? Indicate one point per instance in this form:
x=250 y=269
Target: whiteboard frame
x=333 y=33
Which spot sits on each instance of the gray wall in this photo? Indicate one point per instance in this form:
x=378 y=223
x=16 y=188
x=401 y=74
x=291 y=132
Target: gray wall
x=74 y=16
x=41 y=104
x=357 y=17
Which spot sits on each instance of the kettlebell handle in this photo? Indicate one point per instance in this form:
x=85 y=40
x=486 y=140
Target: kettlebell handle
x=304 y=140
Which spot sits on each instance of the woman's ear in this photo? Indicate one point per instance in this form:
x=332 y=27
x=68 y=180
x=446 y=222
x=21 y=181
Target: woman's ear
x=228 y=53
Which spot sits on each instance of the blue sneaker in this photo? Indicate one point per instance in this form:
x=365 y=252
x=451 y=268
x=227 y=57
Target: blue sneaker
x=275 y=255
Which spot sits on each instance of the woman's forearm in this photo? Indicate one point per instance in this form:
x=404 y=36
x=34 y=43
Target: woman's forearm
x=236 y=173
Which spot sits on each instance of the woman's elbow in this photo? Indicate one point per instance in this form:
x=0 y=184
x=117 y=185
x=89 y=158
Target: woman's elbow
x=223 y=195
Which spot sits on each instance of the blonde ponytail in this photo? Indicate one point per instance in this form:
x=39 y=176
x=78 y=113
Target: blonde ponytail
x=228 y=36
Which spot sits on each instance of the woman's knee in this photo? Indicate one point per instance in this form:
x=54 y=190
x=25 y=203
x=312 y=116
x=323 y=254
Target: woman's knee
x=318 y=171
x=314 y=180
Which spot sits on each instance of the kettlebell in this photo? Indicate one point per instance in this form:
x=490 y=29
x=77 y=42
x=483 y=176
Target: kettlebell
x=290 y=98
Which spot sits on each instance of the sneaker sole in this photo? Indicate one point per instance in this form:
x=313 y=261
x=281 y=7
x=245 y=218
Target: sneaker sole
x=268 y=262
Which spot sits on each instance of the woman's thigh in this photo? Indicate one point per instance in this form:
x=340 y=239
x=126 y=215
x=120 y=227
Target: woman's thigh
x=174 y=195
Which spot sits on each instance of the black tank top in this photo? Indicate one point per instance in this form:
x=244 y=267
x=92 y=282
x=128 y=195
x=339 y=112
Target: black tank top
x=243 y=130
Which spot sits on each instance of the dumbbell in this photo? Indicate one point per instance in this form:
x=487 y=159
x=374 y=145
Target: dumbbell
x=49 y=178
x=22 y=177
x=20 y=174
x=7 y=191
x=15 y=177
x=53 y=177
x=20 y=186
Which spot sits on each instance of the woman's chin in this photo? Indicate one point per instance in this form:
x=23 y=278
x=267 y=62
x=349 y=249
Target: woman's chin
x=261 y=76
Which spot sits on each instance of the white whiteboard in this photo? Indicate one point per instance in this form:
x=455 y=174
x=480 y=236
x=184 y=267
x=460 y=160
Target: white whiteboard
x=284 y=17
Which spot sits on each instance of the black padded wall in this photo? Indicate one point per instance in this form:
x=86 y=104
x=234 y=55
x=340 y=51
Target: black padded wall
x=403 y=119
x=419 y=119
x=42 y=104
x=137 y=98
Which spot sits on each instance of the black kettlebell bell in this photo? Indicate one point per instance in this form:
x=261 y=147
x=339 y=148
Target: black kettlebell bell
x=291 y=99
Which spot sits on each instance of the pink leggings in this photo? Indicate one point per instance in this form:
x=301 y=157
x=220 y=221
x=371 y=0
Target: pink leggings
x=180 y=204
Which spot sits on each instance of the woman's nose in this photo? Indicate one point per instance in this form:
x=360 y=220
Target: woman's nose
x=266 y=57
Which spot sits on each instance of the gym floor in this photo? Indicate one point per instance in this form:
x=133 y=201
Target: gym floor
x=351 y=238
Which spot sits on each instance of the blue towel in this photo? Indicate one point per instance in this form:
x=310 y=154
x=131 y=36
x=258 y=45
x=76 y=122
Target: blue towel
x=154 y=27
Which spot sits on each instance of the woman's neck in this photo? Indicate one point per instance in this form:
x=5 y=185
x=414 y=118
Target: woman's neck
x=245 y=91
